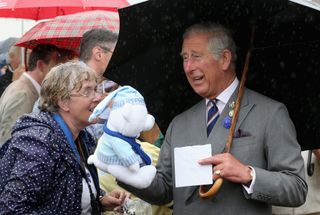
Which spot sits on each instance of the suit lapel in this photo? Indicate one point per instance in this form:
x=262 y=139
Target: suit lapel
x=196 y=119
x=200 y=121
x=246 y=106
x=218 y=138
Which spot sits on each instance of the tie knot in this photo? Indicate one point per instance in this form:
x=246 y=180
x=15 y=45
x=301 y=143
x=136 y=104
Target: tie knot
x=212 y=102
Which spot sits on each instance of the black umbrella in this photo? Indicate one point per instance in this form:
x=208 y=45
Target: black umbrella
x=284 y=64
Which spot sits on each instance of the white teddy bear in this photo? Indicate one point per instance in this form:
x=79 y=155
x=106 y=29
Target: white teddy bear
x=117 y=151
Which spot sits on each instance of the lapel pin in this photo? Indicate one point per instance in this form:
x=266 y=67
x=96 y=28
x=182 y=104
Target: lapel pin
x=228 y=119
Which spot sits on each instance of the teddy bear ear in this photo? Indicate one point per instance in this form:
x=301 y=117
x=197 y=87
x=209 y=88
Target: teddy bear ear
x=149 y=122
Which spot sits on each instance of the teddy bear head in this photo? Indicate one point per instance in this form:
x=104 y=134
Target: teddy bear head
x=128 y=112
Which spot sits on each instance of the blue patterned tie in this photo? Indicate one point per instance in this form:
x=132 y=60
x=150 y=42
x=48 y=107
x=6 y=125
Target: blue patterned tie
x=213 y=115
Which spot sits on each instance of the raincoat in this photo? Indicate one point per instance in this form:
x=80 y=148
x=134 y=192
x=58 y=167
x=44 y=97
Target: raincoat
x=39 y=172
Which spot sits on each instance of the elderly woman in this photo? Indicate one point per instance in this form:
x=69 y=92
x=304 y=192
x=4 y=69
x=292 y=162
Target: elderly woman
x=43 y=166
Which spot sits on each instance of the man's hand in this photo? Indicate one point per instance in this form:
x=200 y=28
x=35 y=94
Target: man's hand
x=227 y=166
x=316 y=152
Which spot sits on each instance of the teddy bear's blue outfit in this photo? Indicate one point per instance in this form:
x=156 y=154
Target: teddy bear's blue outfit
x=117 y=149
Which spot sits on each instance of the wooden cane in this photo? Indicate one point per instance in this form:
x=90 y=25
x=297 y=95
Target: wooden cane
x=218 y=182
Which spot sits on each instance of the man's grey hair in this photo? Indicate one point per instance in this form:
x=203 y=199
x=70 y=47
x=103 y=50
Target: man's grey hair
x=93 y=38
x=220 y=39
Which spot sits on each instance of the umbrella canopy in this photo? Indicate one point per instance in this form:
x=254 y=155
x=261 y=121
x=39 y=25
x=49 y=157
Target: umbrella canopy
x=284 y=64
x=66 y=31
x=46 y=9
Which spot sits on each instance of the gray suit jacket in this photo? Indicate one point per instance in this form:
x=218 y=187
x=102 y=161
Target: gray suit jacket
x=16 y=100
x=268 y=143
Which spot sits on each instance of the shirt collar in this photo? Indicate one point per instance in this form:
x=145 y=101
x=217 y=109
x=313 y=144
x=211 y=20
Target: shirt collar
x=34 y=82
x=10 y=68
x=225 y=95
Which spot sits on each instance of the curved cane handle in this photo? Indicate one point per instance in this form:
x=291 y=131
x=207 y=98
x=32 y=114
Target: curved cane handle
x=212 y=191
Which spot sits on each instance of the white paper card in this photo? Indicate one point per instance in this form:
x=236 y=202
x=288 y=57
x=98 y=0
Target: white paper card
x=188 y=172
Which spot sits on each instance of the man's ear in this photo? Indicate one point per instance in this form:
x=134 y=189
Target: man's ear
x=10 y=55
x=64 y=105
x=96 y=52
x=40 y=65
x=226 y=59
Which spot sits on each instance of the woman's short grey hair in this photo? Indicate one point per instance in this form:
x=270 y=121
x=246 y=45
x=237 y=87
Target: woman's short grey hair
x=60 y=81
x=220 y=38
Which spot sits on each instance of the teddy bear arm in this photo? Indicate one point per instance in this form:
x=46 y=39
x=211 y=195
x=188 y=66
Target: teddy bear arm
x=134 y=167
x=125 y=153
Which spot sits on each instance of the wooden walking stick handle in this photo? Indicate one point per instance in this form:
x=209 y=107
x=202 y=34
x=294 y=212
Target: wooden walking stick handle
x=218 y=183
x=212 y=191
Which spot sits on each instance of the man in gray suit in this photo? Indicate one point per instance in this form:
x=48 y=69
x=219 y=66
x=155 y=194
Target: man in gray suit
x=21 y=94
x=264 y=166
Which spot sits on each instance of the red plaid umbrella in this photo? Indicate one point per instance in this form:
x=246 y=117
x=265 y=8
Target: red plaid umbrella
x=66 y=31
x=46 y=9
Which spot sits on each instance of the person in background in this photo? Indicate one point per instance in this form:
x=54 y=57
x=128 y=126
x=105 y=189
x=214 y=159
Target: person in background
x=96 y=49
x=3 y=63
x=68 y=55
x=312 y=204
x=65 y=55
x=14 y=68
x=20 y=95
x=264 y=167
x=5 y=45
x=3 y=70
x=43 y=164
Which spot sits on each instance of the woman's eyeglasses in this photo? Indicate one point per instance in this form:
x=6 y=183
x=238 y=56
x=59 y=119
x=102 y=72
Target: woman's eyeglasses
x=89 y=93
